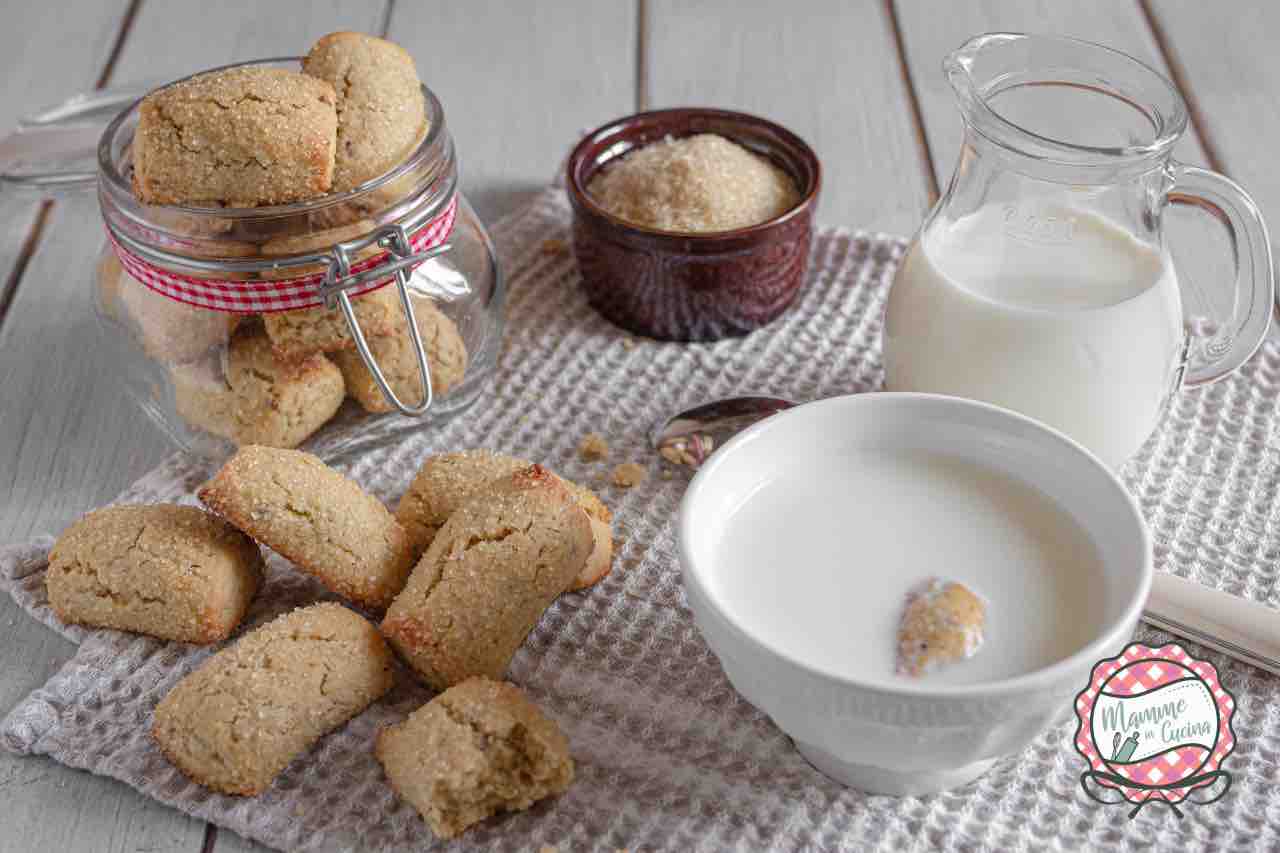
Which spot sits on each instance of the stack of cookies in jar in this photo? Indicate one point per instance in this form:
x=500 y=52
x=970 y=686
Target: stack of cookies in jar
x=248 y=138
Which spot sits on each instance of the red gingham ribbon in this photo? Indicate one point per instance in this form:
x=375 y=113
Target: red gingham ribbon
x=263 y=297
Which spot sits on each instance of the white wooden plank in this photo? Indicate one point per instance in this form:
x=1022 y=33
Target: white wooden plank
x=1228 y=69
x=178 y=37
x=46 y=56
x=48 y=53
x=69 y=440
x=831 y=75
x=519 y=81
x=229 y=842
x=931 y=31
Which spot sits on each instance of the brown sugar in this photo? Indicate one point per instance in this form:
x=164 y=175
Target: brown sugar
x=699 y=183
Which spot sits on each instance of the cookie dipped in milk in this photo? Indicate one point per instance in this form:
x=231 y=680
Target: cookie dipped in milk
x=836 y=563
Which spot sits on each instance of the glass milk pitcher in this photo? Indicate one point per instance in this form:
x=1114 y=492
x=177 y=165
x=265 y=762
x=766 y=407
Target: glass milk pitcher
x=1041 y=281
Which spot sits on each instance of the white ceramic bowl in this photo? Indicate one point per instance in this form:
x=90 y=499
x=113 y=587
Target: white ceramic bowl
x=912 y=738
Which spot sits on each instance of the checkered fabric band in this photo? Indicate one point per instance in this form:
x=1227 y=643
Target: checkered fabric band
x=263 y=297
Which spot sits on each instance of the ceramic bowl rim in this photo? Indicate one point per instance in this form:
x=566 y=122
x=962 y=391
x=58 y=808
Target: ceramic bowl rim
x=1080 y=661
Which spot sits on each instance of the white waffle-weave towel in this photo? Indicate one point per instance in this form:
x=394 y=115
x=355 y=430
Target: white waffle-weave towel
x=669 y=757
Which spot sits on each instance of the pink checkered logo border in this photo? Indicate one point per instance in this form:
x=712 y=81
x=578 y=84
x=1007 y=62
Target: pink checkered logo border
x=1155 y=726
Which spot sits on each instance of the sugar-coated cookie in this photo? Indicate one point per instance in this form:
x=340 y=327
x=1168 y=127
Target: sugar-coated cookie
x=174 y=572
x=238 y=720
x=241 y=136
x=322 y=521
x=249 y=396
x=492 y=569
x=478 y=748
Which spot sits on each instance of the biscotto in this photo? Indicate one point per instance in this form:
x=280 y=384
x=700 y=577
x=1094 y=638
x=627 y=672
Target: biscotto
x=241 y=137
x=478 y=748
x=174 y=572
x=495 y=566
x=381 y=111
x=397 y=357
x=445 y=482
x=322 y=521
x=448 y=480
x=942 y=622
x=238 y=720
x=251 y=397
x=320 y=239
x=601 y=557
x=169 y=330
x=296 y=335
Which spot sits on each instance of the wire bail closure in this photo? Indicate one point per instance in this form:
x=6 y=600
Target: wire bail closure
x=401 y=260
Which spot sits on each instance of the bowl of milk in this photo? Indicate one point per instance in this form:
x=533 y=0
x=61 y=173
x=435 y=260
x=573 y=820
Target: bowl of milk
x=801 y=539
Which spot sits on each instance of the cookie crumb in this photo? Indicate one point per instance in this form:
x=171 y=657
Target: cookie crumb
x=628 y=343
x=554 y=246
x=666 y=474
x=629 y=474
x=593 y=447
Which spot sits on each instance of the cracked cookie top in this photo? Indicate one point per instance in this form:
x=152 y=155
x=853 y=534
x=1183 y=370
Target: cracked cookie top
x=381 y=111
x=240 y=137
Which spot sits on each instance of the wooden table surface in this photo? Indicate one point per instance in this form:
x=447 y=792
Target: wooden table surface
x=859 y=79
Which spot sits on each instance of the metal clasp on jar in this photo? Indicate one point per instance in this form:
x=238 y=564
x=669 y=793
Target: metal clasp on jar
x=401 y=259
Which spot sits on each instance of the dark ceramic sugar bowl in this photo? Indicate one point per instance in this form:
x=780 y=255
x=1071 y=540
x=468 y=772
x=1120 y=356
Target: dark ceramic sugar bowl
x=692 y=286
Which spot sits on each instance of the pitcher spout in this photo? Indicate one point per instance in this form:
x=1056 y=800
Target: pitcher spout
x=1066 y=103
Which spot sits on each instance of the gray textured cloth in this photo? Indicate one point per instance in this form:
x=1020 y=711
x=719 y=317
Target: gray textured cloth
x=668 y=755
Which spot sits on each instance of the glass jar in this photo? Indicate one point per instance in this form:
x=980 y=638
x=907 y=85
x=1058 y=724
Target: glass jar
x=200 y=307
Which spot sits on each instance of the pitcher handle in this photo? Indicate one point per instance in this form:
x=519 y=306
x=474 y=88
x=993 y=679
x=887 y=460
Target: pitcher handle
x=1231 y=345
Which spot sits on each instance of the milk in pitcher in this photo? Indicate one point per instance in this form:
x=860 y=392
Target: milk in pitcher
x=1078 y=325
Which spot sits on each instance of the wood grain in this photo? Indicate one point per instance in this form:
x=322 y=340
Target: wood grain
x=931 y=31
x=1227 y=63
x=519 y=82
x=83 y=44
x=831 y=76
x=46 y=806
